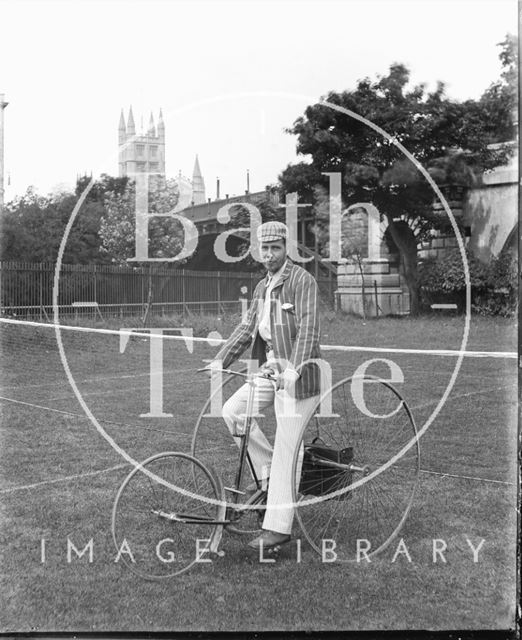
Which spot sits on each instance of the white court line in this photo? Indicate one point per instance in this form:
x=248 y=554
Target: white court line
x=115 y=392
x=458 y=396
x=110 y=392
x=453 y=475
x=83 y=416
x=425 y=352
x=462 y=373
x=38 y=406
x=326 y=347
x=424 y=405
x=120 y=466
x=127 y=464
x=89 y=380
x=173 y=371
x=419 y=406
x=65 y=479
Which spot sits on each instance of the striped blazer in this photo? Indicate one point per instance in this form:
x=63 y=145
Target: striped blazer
x=294 y=325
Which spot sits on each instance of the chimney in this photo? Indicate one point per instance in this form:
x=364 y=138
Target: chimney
x=217 y=188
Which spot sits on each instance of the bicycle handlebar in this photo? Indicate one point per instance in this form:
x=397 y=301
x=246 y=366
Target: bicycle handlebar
x=240 y=373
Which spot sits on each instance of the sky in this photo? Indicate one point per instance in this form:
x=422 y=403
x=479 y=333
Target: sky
x=228 y=75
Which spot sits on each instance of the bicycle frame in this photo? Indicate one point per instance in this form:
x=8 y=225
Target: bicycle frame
x=244 y=457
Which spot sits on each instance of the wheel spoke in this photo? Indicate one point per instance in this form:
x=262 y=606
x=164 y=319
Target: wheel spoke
x=163 y=547
x=377 y=508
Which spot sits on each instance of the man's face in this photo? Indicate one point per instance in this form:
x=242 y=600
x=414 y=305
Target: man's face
x=273 y=254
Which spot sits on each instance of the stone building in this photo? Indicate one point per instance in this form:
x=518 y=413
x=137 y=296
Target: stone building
x=143 y=152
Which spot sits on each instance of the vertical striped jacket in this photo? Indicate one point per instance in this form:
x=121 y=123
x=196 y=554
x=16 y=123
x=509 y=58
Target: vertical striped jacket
x=294 y=324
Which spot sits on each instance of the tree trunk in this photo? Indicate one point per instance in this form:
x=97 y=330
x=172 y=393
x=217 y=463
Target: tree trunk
x=408 y=250
x=410 y=275
x=149 y=297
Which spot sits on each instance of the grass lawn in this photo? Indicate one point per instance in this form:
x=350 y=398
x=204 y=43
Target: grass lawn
x=59 y=478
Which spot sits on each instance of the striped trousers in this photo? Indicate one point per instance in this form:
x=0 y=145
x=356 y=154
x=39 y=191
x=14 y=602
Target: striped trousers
x=291 y=415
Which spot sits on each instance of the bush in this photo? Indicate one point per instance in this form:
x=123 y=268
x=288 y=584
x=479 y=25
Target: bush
x=501 y=295
x=493 y=285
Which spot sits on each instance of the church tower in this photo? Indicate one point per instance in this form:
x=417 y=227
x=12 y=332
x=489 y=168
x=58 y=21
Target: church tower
x=198 y=185
x=144 y=152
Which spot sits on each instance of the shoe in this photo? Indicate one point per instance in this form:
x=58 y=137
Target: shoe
x=269 y=540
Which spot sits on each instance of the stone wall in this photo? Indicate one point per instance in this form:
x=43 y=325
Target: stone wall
x=385 y=292
x=491 y=213
x=487 y=216
x=438 y=247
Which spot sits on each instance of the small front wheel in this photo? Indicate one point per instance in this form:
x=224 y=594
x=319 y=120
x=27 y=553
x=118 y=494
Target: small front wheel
x=166 y=515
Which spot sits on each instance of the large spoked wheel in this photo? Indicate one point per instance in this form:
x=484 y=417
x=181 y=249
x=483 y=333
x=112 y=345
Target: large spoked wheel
x=360 y=505
x=213 y=444
x=164 y=515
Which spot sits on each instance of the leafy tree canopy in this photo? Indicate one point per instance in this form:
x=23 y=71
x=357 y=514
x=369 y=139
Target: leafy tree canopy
x=33 y=227
x=429 y=125
x=451 y=139
x=500 y=100
x=117 y=228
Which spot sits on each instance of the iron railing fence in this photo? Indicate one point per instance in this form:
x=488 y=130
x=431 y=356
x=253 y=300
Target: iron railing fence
x=27 y=289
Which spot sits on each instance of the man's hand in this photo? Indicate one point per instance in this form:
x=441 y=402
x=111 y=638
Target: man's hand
x=286 y=380
x=267 y=371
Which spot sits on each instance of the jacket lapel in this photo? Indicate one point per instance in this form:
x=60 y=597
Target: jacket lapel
x=286 y=273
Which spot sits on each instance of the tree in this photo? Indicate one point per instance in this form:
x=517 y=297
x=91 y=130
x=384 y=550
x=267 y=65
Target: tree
x=100 y=188
x=449 y=138
x=117 y=228
x=33 y=227
x=500 y=100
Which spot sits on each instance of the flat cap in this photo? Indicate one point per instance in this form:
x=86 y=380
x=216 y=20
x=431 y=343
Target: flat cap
x=271 y=231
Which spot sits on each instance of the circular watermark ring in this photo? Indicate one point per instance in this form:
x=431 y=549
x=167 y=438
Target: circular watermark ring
x=432 y=416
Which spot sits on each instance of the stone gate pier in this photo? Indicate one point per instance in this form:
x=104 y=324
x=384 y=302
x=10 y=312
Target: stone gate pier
x=369 y=282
